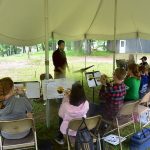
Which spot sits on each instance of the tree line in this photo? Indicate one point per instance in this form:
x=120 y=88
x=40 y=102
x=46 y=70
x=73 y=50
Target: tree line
x=8 y=50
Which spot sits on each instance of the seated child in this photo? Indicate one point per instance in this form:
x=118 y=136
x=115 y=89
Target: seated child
x=14 y=107
x=74 y=105
x=133 y=83
x=113 y=93
x=144 y=80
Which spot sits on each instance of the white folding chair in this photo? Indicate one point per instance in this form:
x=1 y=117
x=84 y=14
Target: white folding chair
x=124 y=118
x=144 y=111
x=91 y=122
x=15 y=127
x=145 y=100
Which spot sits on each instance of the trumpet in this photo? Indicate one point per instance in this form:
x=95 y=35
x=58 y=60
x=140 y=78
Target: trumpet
x=105 y=79
x=67 y=92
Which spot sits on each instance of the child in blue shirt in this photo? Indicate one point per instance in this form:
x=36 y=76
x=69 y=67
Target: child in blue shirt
x=144 y=80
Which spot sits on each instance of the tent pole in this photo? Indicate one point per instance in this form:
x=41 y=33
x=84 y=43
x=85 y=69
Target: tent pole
x=86 y=47
x=114 y=43
x=46 y=41
x=53 y=42
x=47 y=61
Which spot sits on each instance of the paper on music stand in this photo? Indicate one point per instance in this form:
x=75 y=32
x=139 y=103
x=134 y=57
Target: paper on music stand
x=44 y=88
x=19 y=85
x=53 y=85
x=33 y=89
x=93 y=82
x=97 y=74
x=113 y=139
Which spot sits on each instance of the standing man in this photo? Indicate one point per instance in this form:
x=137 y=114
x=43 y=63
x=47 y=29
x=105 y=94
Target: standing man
x=60 y=65
x=60 y=61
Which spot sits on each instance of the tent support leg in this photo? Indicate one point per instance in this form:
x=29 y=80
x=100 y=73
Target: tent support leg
x=47 y=60
x=46 y=41
x=114 y=43
x=86 y=49
x=48 y=113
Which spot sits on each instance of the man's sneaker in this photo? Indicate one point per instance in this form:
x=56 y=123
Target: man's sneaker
x=59 y=141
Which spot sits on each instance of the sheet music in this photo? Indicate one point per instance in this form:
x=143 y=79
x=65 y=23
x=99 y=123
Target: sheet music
x=93 y=82
x=51 y=87
x=97 y=74
x=113 y=139
x=44 y=88
x=33 y=89
x=19 y=85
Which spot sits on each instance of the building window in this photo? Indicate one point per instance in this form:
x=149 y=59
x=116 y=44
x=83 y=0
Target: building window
x=122 y=43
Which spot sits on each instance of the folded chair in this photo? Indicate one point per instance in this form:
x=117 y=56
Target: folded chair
x=91 y=122
x=18 y=126
x=124 y=118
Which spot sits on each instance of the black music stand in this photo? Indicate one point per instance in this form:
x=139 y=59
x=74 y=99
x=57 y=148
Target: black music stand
x=93 y=81
x=82 y=71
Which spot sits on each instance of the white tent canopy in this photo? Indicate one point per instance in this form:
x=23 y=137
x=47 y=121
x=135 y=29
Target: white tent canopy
x=22 y=22
x=28 y=22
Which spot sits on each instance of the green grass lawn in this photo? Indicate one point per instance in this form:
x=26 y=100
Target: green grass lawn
x=20 y=68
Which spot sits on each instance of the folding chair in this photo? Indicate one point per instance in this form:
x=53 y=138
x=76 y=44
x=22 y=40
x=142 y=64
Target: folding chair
x=143 y=109
x=42 y=77
x=145 y=100
x=124 y=118
x=91 y=122
x=18 y=126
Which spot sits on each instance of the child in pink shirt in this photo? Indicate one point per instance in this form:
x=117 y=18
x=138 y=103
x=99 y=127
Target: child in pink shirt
x=74 y=105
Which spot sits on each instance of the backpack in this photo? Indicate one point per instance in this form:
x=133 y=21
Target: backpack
x=84 y=140
x=140 y=140
x=45 y=145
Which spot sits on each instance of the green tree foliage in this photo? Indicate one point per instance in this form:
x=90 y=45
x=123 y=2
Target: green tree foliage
x=80 y=47
x=7 y=50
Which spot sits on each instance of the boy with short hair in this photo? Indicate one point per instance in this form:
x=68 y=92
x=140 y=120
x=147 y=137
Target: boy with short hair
x=144 y=80
x=144 y=61
x=113 y=93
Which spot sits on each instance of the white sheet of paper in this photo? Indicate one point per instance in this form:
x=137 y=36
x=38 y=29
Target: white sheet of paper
x=91 y=83
x=50 y=89
x=113 y=139
x=44 y=88
x=144 y=117
x=19 y=85
x=33 y=89
x=97 y=74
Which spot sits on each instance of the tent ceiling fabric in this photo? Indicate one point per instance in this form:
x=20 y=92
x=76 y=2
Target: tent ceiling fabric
x=22 y=21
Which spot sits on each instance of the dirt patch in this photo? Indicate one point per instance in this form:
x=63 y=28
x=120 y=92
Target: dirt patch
x=7 y=65
x=91 y=59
